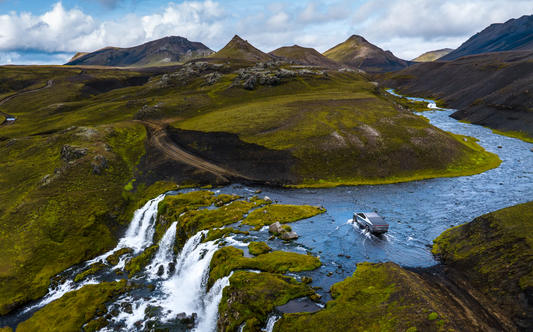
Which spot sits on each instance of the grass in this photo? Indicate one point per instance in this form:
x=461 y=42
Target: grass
x=251 y=297
x=282 y=213
x=73 y=310
x=515 y=134
x=378 y=297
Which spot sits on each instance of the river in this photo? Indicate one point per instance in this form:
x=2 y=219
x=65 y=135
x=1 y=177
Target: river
x=417 y=212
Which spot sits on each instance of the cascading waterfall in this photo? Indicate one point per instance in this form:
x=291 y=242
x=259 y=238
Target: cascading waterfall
x=138 y=237
x=142 y=227
x=270 y=323
x=165 y=253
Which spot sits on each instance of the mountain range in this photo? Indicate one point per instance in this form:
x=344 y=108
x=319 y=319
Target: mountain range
x=513 y=35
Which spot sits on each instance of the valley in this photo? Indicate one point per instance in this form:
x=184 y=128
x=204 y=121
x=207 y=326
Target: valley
x=168 y=187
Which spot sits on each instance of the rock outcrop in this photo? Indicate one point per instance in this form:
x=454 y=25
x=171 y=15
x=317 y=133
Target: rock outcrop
x=71 y=153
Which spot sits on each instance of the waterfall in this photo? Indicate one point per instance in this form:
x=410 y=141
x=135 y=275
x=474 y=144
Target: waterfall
x=271 y=322
x=165 y=253
x=142 y=227
x=208 y=323
x=138 y=237
x=187 y=287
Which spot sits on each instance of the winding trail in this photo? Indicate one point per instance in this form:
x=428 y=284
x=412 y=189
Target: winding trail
x=159 y=137
x=49 y=84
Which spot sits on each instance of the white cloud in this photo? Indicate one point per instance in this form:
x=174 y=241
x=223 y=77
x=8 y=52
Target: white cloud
x=406 y=27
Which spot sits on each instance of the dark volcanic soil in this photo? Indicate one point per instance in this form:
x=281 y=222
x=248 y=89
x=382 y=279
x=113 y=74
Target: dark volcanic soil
x=493 y=90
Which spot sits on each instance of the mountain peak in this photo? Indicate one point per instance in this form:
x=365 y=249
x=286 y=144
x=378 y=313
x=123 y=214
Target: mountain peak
x=239 y=48
x=358 y=39
x=357 y=52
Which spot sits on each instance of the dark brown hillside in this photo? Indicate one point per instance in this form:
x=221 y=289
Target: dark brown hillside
x=513 y=35
x=493 y=89
x=168 y=50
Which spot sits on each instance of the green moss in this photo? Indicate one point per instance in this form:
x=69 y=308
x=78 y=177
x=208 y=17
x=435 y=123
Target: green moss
x=194 y=221
x=433 y=316
x=378 y=297
x=6 y=329
x=136 y=264
x=115 y=257
x=250 y=298
x=258 y=248
x=515 y=134
x=92 y=270
x=173 y=206
x=282 y=213
x=73 y=310
x=228 y=259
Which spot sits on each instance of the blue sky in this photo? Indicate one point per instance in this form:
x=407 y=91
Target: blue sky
x=50 y=32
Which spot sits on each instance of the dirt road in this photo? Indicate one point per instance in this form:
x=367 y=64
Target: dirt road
x=5 y=100
x=160 y=138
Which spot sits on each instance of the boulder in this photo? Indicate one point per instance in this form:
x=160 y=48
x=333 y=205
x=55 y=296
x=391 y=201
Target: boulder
x=275 y=227
x=71 y=153
x=13 y=141
x=289 y=236
x=250 y=83
x=98 y=164
x=267 y=199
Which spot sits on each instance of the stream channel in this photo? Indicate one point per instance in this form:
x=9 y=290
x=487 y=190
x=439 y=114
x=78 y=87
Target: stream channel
x=417 y=213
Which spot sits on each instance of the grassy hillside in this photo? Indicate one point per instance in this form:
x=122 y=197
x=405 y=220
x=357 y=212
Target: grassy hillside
x=339 y=128
x=495 y=252
x=432 y=55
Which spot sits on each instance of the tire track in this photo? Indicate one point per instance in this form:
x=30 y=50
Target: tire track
x=160 y=138
x=49 y=84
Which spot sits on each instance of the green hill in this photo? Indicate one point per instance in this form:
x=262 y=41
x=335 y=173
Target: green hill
x=432 y=55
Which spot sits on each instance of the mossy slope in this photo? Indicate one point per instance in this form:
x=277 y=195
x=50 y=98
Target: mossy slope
x=379 y=297
x=495 y=252
x=73 y=310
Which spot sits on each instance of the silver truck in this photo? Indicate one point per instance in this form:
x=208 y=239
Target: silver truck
x=371 y=222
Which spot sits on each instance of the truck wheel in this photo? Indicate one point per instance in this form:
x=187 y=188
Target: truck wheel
x=367 y=229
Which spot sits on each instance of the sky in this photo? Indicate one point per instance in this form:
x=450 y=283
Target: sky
x=51 y=32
